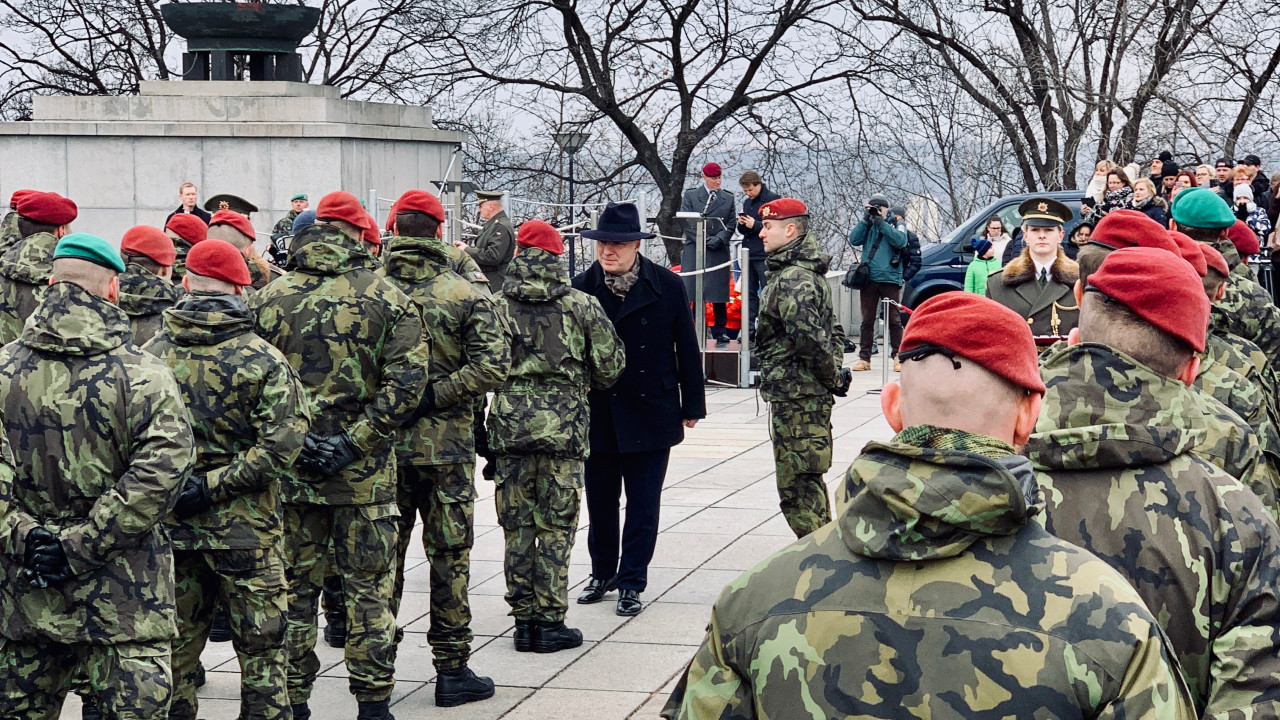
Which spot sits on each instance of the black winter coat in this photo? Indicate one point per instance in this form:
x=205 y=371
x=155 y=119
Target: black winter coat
x=663 y=381
x=910 y=257
x=751 y=235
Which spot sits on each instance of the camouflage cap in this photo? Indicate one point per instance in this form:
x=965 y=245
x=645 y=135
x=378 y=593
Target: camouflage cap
x=84 y=246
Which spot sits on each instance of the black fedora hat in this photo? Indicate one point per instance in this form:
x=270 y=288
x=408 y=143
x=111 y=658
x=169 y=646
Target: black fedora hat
x=620 y=222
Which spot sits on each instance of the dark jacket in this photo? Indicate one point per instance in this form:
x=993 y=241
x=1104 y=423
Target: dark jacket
x=1156 y=208
x=197 y=211
x=751 y=208
x=886 y=266
x=721 y=221
x=910 y=256
x=662 y=383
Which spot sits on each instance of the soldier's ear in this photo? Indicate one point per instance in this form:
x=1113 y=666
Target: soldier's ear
x=186 y=283
x=1078 y=291
x=1221 y=293
x=1028 y=413
x=1073 y=337
x=891 y=404
x=1189 y=371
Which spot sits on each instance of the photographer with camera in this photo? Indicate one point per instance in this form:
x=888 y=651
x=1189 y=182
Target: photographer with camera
x=878 y=275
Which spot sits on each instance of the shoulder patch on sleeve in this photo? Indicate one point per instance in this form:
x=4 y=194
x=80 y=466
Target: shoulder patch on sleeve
x=478 y=276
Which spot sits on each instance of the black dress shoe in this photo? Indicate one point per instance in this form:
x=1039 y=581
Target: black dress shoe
x=595 y=590
x=629 y=602
x=554 y=637
x=524 y=635
x=459 y=686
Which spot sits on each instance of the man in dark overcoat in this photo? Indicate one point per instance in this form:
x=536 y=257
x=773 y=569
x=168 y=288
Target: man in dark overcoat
x=718 y=207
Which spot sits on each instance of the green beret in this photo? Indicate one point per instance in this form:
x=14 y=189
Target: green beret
x=1201 y=208
x=89 y=247
x=299 y=196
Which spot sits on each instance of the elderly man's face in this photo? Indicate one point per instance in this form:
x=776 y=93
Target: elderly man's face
x=300 y=205
x=617 y=257
x=489 y=208
x=713 y=183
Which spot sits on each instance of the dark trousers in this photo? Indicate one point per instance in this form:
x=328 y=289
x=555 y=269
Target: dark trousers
x=719 y=317
x=755 y=286
x=871 y=297
x=641 y=473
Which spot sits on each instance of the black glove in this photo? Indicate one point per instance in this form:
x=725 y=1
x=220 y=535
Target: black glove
x=426 y=406
x=875 y=218
x=1242 y=211
x=312 y=455
x=338 y=451
x=194 y=498
x=715 y=244
x=844 y=379
x=45 y=560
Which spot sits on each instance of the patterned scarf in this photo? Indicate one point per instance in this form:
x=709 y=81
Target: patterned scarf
x=928 y=436
x=620 y=285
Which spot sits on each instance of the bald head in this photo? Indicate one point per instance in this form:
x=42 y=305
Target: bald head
x=972 y=398
x=231 y=235
x=99 y=280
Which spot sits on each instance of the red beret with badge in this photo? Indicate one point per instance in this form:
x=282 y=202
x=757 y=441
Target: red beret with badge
x=46 y=207
x=1161 y=289
x=783 y=208
x=1130 y=228
x=342 y=205
x=220 y=260
x=711 y=169
x=538 y=234
x=151 y=242
x=1214 y=259
x=419 y=201
x=235 y=220
x=979 y=329
x=1244 y=238
x=189 y=227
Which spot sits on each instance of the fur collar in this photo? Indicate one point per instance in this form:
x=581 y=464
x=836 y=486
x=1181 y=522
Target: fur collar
x=1021 y=269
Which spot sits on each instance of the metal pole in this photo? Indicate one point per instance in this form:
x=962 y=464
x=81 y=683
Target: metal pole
x=589 y=249
x=885 y=360
x=744 y=335
x=456 y=225
x=572 y=244
x=373 y=205
x=699 y=262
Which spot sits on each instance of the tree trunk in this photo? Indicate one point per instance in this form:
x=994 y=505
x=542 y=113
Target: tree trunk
x=667 y=224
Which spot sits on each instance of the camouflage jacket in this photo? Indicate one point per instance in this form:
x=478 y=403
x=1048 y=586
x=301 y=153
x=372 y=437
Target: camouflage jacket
x=469 y=352
x=25 y=270
x=1246 y=310
x=1115 y=452
x=181 y=247
x=562 y=345
x=9 y=233
x=798 y=341
x=249 y=416
x=284 y=226
x=933 y=595
x=143 y=297
x=1247 y=402
x=102 y=442
x=356 y=342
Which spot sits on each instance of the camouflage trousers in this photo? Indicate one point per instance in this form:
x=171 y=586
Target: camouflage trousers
x=538 y=498
x=801 y=434
x=250 y=585
x=364 y=550
x=444 y=497
x=130 y=681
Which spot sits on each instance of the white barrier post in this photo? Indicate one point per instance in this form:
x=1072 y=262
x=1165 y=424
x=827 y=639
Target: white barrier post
x=885 y=349
x=744 y=335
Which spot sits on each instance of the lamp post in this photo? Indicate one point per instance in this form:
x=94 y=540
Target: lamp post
x=570 y=142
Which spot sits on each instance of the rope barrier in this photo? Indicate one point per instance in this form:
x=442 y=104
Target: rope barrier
x=691 y=273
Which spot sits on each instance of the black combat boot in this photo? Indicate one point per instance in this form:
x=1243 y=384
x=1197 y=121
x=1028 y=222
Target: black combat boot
x=549 y=637
x=198 y=678
x=300 y=712
x=375 y=710
x=220 y=627
x=459 y=686
x=335 y=612
x=89 y=709
x=524 y=635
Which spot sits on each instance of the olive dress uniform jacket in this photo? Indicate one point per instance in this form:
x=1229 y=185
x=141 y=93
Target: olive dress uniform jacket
x=493 y=249
x=1049 y=310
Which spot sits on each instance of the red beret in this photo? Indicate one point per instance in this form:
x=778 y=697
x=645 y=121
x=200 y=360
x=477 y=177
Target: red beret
x=151 y=242
x=340 y=205
x=783 y=208
x=1130 y=228
x=536 y=233
x=1159 y=288
x=220 y=260
x=235 y=220
x=1244 y=238
x=46 y=207
x=1214 y=259
x=1189 y=250
x=371 y=234
x=981 y=330
x=189 y=227
x=18 y=195
x=711 y=170
x=419 y=201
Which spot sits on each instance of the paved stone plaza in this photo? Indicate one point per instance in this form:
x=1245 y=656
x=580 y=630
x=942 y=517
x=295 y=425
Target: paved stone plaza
x=719 y=517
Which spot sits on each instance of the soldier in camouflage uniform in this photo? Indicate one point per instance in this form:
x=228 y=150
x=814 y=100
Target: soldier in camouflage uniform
x=435 y=454
x=801 y=347
x=1114 y=450
x=562 y=345
x=248 y=413
x=355 y=341
x=10 y=235
x=185 y=230
x=103 y=444
x=25 y=268
x=146 y=287
x=935 y=594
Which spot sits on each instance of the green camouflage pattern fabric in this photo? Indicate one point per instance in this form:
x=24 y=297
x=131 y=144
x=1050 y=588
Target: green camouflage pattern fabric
x=1115 y=451
x=801 y=434
x=444 y=497
x=798 y=341
x=249 y=416
x=181 y=247
x=562 y=345
x=128 y=681
x=25 y=270
x=469 y=352
x=1246 y=310
x=364 y=541
x=933 y=595
x=102 y=443
x=284 y=226
x=356 y=342
x=538 y=499
x=9 y=233
x=249 y=586
x=461 y=262
x=1247 y=359
x=144 y=296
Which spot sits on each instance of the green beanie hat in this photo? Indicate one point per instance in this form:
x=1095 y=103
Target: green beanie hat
x=84 y=246
x=1201 y=208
